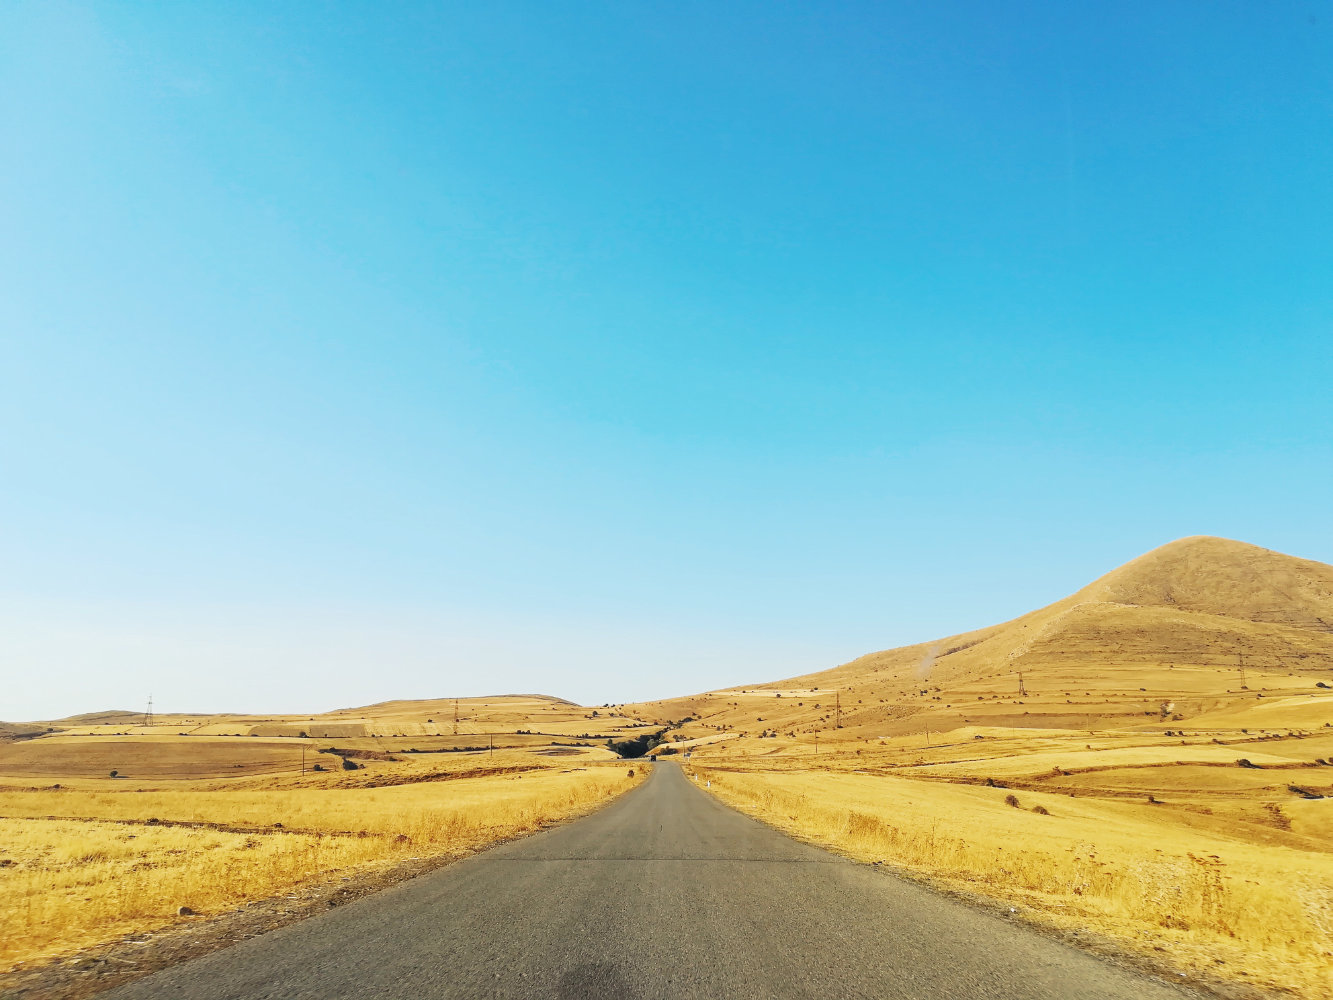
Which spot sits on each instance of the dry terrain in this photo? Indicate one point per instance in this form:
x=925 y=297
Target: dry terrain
x=508 y=720
x=197 y=819
x=1149 y=760
x=1147 y=763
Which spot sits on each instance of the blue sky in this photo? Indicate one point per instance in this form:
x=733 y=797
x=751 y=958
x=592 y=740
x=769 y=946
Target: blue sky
x=623 y=350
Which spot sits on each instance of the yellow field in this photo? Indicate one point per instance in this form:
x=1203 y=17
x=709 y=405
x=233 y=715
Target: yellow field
x=1250 y=901
x=1213 y=633
x=115 y=863
x=210 y=812
x=1166 y=733
x=450 y=721
x=63 y=756
x=1174 y=719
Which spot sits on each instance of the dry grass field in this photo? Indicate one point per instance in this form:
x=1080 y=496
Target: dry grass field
x=1149 y=760
x=454 y=722
x=1166 y=734
x=1204 y=631
x=210 y=822
x=122 y=862
x=1218 y=877
x=64 y=756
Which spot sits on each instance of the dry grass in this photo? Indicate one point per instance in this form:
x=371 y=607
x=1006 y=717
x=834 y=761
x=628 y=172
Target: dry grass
x=1124 y=712
x=418 y=810
x=1228 y=635
x=212 y=811
x=65 y=757
x=70 y=883
x=1254 y=912
x=448 y=721
x=1137 y=695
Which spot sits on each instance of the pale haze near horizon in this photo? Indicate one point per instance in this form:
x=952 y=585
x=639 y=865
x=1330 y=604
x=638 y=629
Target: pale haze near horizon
x=620 y=352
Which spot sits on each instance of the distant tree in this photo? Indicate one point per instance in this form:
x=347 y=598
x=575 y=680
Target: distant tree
x=115 y=774
x=638 y=746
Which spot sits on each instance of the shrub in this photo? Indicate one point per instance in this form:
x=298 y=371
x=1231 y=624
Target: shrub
x=638 y=746
x=1305 y=793
x=1041 y=810
x=1011 y=800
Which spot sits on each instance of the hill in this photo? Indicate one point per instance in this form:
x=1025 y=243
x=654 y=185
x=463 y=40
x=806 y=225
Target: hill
x=429 y=722
x=100 y=746
x=1168 y=725
x=1198 y=628
x=110 y=717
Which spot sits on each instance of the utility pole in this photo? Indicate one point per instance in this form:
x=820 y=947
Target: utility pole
x=148 y=715
x=816 y=742
x=455 y=716
x=490 y=744
x=837 y=703
x=1240 y=660
x=303 y=760
x=927 y=736
x=1022 y=691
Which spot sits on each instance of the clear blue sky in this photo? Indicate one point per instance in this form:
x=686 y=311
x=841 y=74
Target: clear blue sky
x=617 y=350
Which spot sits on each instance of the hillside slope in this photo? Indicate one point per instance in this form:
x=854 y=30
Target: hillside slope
x=1199 y=625
x=452 y=721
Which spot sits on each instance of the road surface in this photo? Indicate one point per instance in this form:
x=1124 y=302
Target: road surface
x=666 y=894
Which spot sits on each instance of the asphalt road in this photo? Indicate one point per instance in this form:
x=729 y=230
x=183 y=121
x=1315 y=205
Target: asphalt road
x=665 y=894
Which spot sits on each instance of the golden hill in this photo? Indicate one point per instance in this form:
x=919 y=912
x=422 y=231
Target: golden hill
x=435 y=717
x=178 y=745
x=1168 y=725
x=1149 y=758
x=1198 y=628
